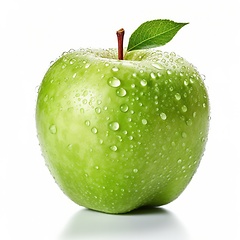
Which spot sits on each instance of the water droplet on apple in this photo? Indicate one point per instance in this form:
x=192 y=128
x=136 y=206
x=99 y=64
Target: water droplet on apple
x=87 y=123
x=94 y=130
x=114 y=148
x=163 y=116
x=194 y=114
x=121 y=92
x=152 y=75
x=157 y=66
x=87 y=65
x=135 y=170
x=144 y=121
x=179 y=160
x=69 y=147
x=203 y=77
x=129 y=119
x=143 y=82
x=98 y=110
x=189 y=122
x=53 y=129
x=114 y=82
x=71 y=50
x=166 y=54
x=74 y=75
x=184 y=135
x=46 y=98
x=169 y=72
x=72 y=61
x=119 y=138
x=96 y=167
x=115 y=69
x=124 y=108
x=180 y=60
x=85 y=93
x=177 y=96
x=134 y=75
x=114 y=126
x=184 y=108
x=63 y=54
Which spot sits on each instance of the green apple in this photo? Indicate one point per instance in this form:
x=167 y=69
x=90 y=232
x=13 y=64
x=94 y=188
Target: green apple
x=120 y=134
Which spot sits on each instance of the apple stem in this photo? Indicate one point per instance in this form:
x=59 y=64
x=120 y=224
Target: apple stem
x=120 y=35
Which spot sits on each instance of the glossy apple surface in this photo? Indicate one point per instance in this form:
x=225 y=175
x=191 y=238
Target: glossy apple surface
x=120 y=134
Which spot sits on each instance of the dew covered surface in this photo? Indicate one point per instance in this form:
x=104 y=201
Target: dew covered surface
x=117 y=135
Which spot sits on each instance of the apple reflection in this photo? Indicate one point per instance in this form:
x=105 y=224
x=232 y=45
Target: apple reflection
x=144 y=223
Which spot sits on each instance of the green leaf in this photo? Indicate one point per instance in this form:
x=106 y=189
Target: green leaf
x=153 y=34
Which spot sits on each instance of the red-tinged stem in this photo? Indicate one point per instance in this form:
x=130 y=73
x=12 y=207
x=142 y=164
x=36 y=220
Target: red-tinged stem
x=120 y=35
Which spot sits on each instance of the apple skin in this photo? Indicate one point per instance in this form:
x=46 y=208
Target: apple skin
x=117 y=135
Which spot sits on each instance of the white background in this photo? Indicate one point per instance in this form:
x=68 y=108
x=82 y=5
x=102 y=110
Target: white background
x=32 y=34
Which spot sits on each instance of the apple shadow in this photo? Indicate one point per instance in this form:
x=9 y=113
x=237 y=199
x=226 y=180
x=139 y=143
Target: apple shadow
x=144 y=223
